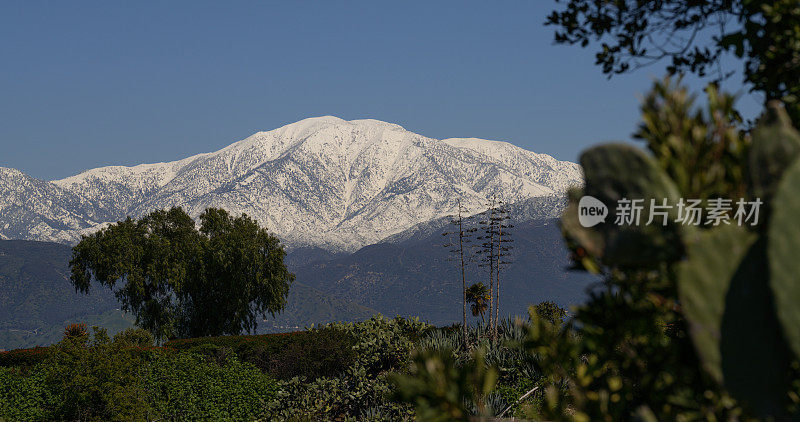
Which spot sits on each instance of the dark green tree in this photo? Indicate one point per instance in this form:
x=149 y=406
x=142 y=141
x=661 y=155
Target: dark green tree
x=181 y=281
x=693 y=36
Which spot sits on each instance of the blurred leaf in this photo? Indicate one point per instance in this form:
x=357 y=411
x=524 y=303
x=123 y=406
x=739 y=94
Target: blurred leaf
x=783 y=249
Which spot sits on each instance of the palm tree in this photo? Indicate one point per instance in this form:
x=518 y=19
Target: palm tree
x=478 y=297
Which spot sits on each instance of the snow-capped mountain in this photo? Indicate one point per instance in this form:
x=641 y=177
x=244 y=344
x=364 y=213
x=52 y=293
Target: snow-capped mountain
x=324 y=182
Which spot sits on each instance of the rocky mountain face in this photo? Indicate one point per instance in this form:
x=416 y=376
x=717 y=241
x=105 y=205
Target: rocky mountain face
x=319 y=183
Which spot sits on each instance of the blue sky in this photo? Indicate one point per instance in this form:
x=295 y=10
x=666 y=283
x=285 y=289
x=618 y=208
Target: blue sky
x=86 y=84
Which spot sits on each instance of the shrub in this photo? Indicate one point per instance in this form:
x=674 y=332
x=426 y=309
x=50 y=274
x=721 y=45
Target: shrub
x=230 y=341
x=383 y=344
x=352 y=396
x=94 y=380
x=24 y=396
x=326 y=351
x=24 y=357
x=335 y=372
x=185 y=386
x=313 y=354
x=100 y=379
x=136 y=337
x=362 y=391
x=551 y=312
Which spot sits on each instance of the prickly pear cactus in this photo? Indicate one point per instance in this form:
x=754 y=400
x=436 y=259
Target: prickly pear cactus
x=726 y=299
x=614 y=172
x=784 y=254
x=775 y=146
x=740 y=288
x=705 y=278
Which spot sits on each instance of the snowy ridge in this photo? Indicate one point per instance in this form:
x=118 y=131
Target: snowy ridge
x=323 y=182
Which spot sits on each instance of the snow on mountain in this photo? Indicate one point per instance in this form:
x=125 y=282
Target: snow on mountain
x=323 y=181
x=38 y=210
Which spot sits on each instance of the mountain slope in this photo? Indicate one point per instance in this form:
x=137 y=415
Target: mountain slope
x=321 y=182
x=35 y=288
x=412 y=277
x=37 y=300
x=416 y=277
x=39 y=210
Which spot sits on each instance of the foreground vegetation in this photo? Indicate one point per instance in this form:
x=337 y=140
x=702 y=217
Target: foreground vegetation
x=357 y=371
x=94 y=377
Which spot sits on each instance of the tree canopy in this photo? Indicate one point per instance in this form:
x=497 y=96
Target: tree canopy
x=181 y=281
x=693 y=36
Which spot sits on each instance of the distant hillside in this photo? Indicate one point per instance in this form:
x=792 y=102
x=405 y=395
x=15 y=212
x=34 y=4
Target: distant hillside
x=416 y=277
x=306 y=306
x=35 y=293
x=411 y=277
x=37 y=299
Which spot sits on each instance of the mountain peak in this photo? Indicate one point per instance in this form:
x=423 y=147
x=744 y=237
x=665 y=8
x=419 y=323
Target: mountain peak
x=322 y=181
x=314 y=124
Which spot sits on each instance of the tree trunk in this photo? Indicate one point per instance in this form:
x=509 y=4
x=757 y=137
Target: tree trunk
x=497 y=275
x=490 y=225
x=463 y=277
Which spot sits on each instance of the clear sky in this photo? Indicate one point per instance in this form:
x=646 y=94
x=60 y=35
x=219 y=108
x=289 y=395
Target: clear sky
x=86 y=84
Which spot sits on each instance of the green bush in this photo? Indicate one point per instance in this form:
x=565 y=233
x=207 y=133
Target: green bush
x=185 y=386
x=135 y=337
x=24 y=357
x=85 y=378
x=326 y=351
x=382 y=346
x=335 y=372
x=24 y=396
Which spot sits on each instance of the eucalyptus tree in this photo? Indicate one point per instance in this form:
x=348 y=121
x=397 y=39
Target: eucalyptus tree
x=179 y=280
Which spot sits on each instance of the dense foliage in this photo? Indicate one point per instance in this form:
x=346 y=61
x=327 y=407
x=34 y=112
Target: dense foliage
x=310 y=354
x=361 y=391
x=373 y=374
x=97 y=378
x=183 y=282
x=24 y=357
